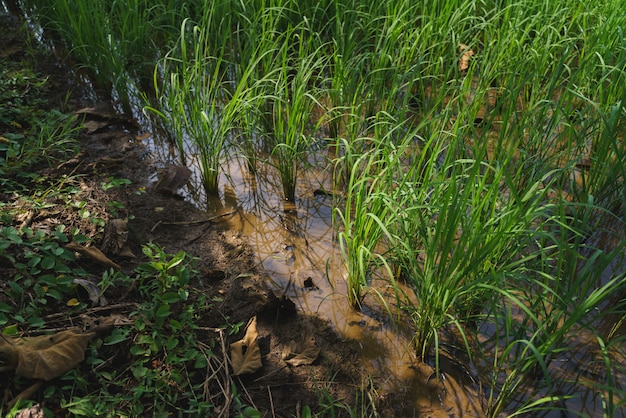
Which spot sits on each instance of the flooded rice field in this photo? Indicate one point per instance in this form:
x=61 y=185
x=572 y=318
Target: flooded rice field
x=296 y=247
x=466 y=239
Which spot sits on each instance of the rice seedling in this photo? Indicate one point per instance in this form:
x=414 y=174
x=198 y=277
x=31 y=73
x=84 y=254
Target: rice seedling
x=362 y=220
x=556 y=303
x=292 y=105
x=199 y=102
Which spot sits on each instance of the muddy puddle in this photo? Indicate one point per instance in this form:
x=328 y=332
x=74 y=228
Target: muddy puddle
x=295 y=247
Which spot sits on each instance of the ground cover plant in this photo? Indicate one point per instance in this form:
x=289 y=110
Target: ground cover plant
x=475 y=147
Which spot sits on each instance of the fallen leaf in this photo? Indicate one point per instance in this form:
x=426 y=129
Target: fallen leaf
x=35 y=411
x=172 y=178
x=466 y=55
x=303 y=352
x=95 y=125
x=45 y=357
x=94 y=254
x=102 y=110
x=143 y=136
x=73 y=302
x=93 y=291
x=115 y=237
x=245 y=354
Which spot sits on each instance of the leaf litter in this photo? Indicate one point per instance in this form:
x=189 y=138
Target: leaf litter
x=45 y=357
x=298 y=353
x=245 y=354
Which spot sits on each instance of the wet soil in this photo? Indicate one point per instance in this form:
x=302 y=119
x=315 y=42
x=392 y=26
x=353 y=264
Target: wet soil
x=111 y=146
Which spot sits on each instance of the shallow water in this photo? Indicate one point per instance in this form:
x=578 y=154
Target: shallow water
x=295 y=246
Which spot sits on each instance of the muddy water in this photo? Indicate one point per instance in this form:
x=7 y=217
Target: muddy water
x=296 y=247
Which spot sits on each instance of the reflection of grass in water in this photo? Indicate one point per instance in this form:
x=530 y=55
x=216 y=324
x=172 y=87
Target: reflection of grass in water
x=470 y=201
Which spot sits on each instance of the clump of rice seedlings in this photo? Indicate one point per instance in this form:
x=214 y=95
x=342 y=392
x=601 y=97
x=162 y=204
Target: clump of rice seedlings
x=363 y=217
x=569 y=294
x=457 y=230
x=292 y=104
x=191 y=99
x=115 y=42
x=199 y=102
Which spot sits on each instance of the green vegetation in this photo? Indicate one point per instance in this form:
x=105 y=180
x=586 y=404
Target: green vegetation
x=169 y=369
x=478 y=144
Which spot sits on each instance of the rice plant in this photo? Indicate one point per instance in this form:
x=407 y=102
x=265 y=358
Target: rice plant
x=556 y=303
x=292 y=104
x=362 y=219
x=199 y=102
x=117 y=43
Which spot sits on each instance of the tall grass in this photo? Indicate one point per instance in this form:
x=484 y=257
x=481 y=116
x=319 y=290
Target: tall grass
x=364 y=215
x=199 y=101
x=116 y=42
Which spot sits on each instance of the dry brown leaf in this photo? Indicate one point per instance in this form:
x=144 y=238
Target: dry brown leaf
x=143 y=136
x=45 y=357
x=245 y=354
x=95 y=125
x=94 y=254
x=466 y=55
x=303 y=352
x=35 y=411
x=115 y=237
x=172 y=178
x=102 y=110
x=93 y=291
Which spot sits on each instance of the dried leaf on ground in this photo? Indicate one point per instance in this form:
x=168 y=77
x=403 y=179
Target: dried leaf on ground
x=303 y=352
x=95 y=125
x=35 y=411
x=93 y=291
x=102 y=111
x=94 y=254
x=115 y=237
x=172 y=178
x=97 y=117
x=47 y=356
x=245 y=354
x=466 y=55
